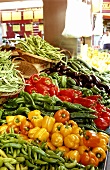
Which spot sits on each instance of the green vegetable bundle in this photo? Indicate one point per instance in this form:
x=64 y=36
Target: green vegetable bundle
x=37 y=46
x=10 y=79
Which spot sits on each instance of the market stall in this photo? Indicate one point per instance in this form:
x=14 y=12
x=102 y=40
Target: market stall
x=57 y=118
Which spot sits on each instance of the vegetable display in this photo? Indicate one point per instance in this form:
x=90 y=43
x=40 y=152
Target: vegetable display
x=33 y=146
x=60 y=120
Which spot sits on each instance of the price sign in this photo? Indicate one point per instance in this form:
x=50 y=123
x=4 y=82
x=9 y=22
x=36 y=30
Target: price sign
x=38 y=14
x=27 y=15
x=6 y=16
x=28 y=27
x=16 y=28
x=16 y=15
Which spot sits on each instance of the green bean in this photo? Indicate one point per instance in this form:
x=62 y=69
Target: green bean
x=38 y=161
x=35 y=156
x=1 y=161
x=43 y=167
x=56 y=157
x=2 y=153
x=20 y=159
x=14 y=153
x=9 y=166
x=23 y=168
x=38 y=150
x=82 y=115
x=3 y=168
x=30 y=165
x=25 y=156
x=18 y=166
x=9 y=160
x=24 y=152
x=9 y=155
x=29 y=152
x=17 y=152
x=28 y=97
x=49 y=160
x=11 y=149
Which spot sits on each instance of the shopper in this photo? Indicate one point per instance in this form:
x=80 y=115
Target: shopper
x=106 y=40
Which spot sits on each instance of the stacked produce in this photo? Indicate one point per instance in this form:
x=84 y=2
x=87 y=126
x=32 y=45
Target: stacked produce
x=60 y=120
x=50 y=142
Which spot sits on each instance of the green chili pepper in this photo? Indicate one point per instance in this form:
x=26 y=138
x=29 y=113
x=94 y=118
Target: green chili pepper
x=20 y=159
x=52 y=167
x=29 y=164
x=50 y=152
x=76 y=107
x=38 y=161
x=38 y=150
x=82 y=115
x=70 y=81
x=56 y=157
x=35 y=156
x=9 y=166
x=21 y=110
x=11 y=148
x=1 y=161
x=71 y=165
x=9 y=160
x=87 y=126
x=23 y=168
x=9 y=156
x=29 y=152
x=49 y=160
x=3 y=168
x=39 y=156
x=43 y=167
x=14 y=153
x=51 y=108
x=17 y=152
x=24 y=152
x=18 y=166
x=28 y=97
x=25 y=156
x=2 y=153
x=13 y=145
x=63 y=82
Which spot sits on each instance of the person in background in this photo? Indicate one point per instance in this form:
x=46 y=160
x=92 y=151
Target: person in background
x=106 y=41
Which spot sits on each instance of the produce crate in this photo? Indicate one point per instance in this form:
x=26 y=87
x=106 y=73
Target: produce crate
x=26 y=68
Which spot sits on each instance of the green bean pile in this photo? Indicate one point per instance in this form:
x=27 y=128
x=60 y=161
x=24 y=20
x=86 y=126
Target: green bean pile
x=10 y=81
x=37 y=46
x=19 y=154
